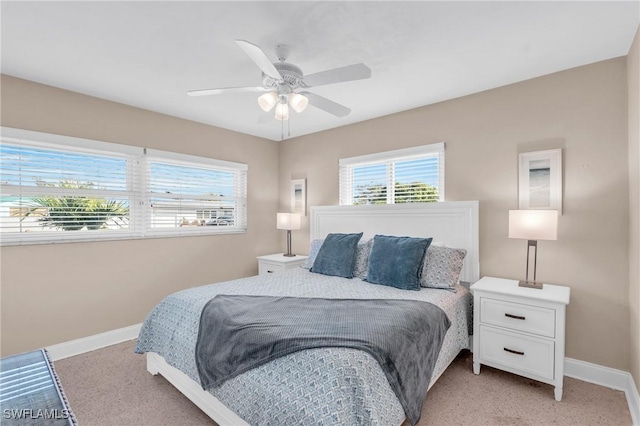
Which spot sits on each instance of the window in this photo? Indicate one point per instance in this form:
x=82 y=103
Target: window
x=58 y=188
x=188 y=192
x=412 y=175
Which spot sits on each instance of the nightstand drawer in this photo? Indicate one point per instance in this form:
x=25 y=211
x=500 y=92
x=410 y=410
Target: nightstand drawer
x=525 y=354
x=269 y=268
x=516 y=316
x=272 y=263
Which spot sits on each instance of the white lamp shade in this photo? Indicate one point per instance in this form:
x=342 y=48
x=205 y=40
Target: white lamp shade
x=533 y=224
x=282 y=112
x=298 y=102
x=288 y=221
x=267 y=101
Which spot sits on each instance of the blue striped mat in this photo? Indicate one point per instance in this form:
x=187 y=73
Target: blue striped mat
x=30 y=392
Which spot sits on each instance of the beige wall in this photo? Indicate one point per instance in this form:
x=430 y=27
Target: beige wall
x=55 y=293
x=583 y=111
x=633 y=83
x=58 y=292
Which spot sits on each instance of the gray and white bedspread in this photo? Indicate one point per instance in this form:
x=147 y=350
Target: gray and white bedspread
x=238 y=333
x=324 y=386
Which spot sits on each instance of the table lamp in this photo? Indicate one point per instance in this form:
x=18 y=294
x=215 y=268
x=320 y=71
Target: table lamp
x=288 y=221
x=533 y=225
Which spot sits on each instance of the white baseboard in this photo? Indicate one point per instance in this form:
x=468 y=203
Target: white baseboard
x=608 y=377
x=91 y=343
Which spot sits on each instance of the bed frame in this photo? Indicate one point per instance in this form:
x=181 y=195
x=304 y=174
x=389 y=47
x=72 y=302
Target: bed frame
x=453 y=223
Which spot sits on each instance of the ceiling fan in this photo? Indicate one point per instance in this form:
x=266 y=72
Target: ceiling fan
x=285 y=84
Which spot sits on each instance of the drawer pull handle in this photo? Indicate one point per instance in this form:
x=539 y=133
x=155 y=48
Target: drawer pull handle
x=518 y=317
x=511 y=351
x=270 y=272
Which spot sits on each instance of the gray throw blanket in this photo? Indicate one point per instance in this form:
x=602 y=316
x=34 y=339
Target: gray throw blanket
x=238 y=333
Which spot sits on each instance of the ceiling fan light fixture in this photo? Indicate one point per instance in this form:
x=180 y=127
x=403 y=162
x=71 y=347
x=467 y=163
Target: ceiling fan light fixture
x=267 y=101
x=298 y=102
x=282 y=111
x=281 y=80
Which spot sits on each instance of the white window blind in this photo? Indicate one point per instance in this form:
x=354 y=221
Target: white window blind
x=192 y=194
x=412 y=175
x=57 y=188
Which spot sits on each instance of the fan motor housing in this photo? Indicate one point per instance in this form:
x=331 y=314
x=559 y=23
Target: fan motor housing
x=291 y=74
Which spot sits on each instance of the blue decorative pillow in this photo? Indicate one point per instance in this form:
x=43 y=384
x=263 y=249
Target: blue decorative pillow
x=362 y=257
x=337 y=255
x=397 y=261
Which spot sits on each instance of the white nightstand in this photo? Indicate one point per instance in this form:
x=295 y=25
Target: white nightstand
x=520 y=330
x=278 y=262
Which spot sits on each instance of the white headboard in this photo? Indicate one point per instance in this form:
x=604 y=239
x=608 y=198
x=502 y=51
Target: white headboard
x=454 y=223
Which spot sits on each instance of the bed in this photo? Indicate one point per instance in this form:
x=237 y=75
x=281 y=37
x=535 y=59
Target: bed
x=329 y=385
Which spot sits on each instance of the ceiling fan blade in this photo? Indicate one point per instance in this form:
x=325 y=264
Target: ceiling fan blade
x=207 y=92
x=338 y=75
x=327 y=105
x=258 y=56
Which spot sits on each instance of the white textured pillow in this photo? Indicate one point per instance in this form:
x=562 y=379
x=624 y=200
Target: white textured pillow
x=442 y=266
x=314 y=248
x=362 y=259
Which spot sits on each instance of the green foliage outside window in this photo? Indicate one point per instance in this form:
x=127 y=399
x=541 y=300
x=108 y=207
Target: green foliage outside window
x=73 y=213
x=414 y=192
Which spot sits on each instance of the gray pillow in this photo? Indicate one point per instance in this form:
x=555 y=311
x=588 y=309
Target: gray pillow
x=337 y=255
x=362 y=259
x=442 y=266
x=397 y=261
x=313 y=253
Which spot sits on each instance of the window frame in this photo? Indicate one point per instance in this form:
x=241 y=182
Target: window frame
x=137 y=176
x=389 y=158
x=173 y=158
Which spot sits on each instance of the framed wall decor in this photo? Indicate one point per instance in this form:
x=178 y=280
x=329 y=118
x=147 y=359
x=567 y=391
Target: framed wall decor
x=299 y=196
x=540 y=180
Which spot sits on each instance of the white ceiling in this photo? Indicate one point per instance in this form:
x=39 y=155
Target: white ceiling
x=149 y=54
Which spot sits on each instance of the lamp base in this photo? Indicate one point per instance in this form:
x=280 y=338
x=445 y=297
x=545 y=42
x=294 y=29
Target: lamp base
x=530 y=284
x=288 y=253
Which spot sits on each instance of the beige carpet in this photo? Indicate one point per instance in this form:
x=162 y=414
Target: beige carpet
x=111 y=386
